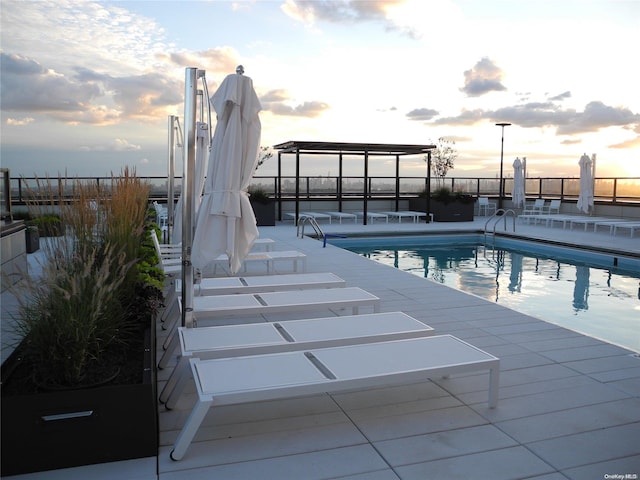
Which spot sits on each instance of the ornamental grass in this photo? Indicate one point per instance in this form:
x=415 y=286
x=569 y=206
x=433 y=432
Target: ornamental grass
x=89 y=304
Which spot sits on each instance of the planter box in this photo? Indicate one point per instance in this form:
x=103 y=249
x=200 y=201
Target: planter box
x=455 y=211
x=265 y=213
x=33 y=240
x=62 y=429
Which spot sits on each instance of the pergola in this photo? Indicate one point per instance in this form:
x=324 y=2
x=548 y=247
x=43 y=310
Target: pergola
x=299 y=148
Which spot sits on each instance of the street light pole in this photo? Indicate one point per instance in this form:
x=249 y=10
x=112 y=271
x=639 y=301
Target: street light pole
x=501 y=124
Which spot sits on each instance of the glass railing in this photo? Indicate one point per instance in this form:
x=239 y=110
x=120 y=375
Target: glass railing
x=607 y=190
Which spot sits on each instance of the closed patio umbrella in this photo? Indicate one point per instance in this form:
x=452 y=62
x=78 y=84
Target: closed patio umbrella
x=518 y=194
x=585 y=199
x=226 y=223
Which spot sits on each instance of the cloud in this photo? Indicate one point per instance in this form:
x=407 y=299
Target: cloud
x=219 y=60
x=27 y=86
x=467 y=117
x=595 y=116
x=116 y=145
x=561 y=97
x=140 y=97
x=483 y=78
x=271 y=96
x=278 y=102
x=404 y=16
x=422 y=114
x=101 y=36
x=335 y=11
x=85 y=97
x=306 y=109
x=632 y=143
x=20 y=122
x=571 y=141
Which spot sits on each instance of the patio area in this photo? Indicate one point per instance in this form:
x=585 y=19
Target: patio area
x=569 y=404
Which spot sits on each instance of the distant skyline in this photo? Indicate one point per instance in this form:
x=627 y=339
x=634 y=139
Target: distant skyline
x=86 y=86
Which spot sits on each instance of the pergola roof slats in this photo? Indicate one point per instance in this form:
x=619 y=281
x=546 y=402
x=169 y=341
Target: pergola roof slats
x=353 y=148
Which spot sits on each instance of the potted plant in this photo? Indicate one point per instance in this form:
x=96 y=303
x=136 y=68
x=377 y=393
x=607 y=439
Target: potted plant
x=49 y=225
x=80 y=389
x=451 y=206
x=444 y=204
x=32 y=238
x=263 y=206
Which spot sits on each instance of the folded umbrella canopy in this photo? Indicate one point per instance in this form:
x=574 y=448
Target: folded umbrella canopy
x=585 y=199
x=518 y=194
x=225 y=223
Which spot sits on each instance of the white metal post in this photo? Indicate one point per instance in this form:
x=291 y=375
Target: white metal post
x=189 y=150
x=171 y=174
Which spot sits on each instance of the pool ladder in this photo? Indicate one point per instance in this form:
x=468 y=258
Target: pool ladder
x=499 y=215
x=316 y=228
x=314 y=224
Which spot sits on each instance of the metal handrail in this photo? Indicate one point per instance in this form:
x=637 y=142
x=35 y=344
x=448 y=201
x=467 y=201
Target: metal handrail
x=312 y=221
x=500 y=213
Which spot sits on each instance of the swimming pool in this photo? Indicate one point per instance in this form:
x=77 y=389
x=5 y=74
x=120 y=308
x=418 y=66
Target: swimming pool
x=594 y=293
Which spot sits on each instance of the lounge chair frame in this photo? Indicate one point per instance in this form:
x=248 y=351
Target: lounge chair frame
x=229 y=381
x=252 y=284
x=261 y=338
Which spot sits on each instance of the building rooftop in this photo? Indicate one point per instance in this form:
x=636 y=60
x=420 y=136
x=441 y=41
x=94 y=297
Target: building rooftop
x=569 y=404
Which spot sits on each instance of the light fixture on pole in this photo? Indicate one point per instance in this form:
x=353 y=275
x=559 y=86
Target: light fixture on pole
x=501 y=124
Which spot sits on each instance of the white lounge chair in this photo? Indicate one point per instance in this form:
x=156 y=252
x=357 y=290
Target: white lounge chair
x=162 y=215
x=173 y=250
x=316 y=215
x=302 y=215
x=265 y=283
x=631 y=226
x=554 y=207
x=228 y=381
x=586 y=220
x=212 y=306
x=260 y=338
x=415 y=216
x=173 y=268
x=252 y=284
x=485 y=207
x=343 y=216
x=372 y=216
x=536 y=208
x=553 y=218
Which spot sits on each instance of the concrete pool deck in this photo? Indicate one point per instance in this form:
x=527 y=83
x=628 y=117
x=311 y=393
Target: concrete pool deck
x=569 y=404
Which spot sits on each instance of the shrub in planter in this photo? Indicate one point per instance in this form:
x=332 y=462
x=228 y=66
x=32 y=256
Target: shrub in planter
x=446 y=205
x=49 y=225
x=32 y=238
x=79 y=388
x=446 y=195
x=263 y=207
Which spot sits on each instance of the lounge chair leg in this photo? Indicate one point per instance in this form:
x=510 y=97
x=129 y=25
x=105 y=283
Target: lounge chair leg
x=168 y=312
x=183 y=375
x=189 y=430
x=169 y=351
x=169 y=339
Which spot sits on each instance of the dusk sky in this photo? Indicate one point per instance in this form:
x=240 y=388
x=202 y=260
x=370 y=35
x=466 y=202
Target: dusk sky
x=86 y=87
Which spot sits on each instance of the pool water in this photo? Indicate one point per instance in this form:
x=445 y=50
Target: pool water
x=584 y=295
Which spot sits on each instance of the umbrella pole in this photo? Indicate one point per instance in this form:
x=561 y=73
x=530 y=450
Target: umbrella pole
x=593 y=180
x=171 y=175
x=189 y=150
